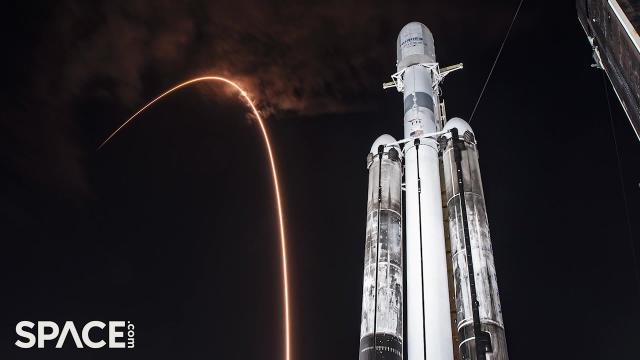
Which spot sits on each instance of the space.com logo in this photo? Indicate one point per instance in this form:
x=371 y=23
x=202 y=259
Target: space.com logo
x=119 y=335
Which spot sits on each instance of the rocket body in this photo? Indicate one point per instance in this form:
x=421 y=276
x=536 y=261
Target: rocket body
x=485 y=279
x=427 y=333
x=381 y=328
x=428 y=319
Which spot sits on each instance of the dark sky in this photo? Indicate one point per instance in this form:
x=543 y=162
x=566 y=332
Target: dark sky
x=172 y=225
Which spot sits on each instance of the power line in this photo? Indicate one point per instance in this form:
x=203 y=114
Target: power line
x=495 y=61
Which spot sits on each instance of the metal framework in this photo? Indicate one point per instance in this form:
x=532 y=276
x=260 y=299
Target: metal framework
x=437 y=73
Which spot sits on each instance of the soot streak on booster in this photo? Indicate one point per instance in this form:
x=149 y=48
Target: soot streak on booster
x=382 y=294
x=486 y=283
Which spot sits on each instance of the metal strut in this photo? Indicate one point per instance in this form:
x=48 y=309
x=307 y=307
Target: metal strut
x=397 y=79
x=375 y=296
x=482 y=338
x=416 y=143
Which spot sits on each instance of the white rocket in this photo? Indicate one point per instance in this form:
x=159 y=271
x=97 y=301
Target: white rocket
x=432 y=147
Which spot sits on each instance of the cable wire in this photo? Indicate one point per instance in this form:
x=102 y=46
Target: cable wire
x=621 y=178
x=375 y=296
x=495 y=61
x=424 y=321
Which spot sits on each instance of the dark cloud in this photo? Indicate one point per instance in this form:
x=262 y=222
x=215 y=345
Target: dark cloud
x=89 y=64
x=293 y=56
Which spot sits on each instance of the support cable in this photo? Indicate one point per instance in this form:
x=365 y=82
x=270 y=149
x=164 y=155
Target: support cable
x=495 y=61
x=634 y=256
x=375 y=296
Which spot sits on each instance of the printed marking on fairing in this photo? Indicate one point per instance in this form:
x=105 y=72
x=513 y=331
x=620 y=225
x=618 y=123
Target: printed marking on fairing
x=416 y=38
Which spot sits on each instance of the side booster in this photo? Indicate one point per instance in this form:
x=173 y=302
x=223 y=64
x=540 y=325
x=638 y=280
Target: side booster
x=381 y=326
x=478 y=312
x=427 y=141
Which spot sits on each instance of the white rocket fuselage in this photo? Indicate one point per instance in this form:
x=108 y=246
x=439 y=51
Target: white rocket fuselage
x=428 y=317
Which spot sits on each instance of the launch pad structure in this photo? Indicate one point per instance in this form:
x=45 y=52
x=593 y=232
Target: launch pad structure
x=427 y=229
x=612 y=28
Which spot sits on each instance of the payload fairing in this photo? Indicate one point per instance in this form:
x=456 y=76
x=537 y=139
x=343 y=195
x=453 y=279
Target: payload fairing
x=430 y=145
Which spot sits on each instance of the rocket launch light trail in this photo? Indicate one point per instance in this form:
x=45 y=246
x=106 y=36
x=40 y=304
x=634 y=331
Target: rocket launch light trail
x=274 y=174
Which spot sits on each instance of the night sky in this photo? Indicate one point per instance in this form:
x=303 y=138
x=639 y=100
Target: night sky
x=172 y=225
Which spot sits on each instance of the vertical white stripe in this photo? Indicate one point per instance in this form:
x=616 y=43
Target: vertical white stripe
x=626 y=24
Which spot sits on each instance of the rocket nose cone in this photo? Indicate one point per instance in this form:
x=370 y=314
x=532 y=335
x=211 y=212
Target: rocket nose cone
x=459 y=124
x=414 y=27
x=415 y=45
x=382 y=140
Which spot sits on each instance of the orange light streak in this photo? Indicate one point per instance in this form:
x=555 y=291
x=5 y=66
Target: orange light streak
x=274 y=174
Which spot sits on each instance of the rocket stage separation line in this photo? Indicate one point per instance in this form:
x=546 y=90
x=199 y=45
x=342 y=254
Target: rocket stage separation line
x=274 y=174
